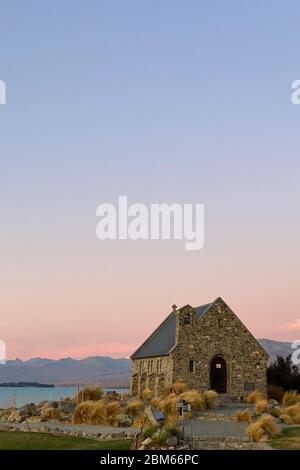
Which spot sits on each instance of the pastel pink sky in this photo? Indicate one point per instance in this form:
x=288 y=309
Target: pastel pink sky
x=163 y=103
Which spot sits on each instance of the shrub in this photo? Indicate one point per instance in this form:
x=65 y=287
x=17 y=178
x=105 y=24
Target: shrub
x=81 y=412
x=134 y=407
x=255 y=396
x=243 y=416
x=169 y=404
x=210 y=398
x=261 y=407
x=112 y=410
x=292 y=410
x=177 y=388
x=174 y=431
x=156 y=402
x=160 y=439
x=275 y=392
x=50 y=413
x=194 y=398
x=146 y=394
x=89 y=393
x=286 y=419
x=263 y=427
x=290 y=398
x=150 y=431
x=141 y=421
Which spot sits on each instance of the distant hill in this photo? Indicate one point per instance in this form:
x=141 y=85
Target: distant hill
x=276 y=348
x=106 y=371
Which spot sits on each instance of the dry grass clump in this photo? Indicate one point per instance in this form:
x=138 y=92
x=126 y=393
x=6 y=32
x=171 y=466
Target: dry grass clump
x=177 y=388
x=195 y=399
x=261 y=407
x=255 y=396
x=293 y=412
x=210 y=399
x=112 y=409
x=90 y=412
x=89 y=393
x=243 y=416
x=263 y=428
x=134 y=407
x=169 y=404
x=286 y=419
x=290 y=398
x=50 y=413
x=146 y=394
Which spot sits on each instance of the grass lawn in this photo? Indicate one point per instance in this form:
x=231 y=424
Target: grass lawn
x=288 y=439
x=42 y=441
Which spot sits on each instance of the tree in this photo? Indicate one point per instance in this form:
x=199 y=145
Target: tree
x=284 y=373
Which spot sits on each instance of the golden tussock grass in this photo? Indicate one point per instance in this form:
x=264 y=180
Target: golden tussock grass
x=146 y=394
x=169 y=404
x=112 y=410
x=263 y=427
x=290 y=398
x=50 y=413
x=286 y=419
x=89 y=393
x=210 y=398
x=255 y=396
x=177 y=387
x=291 y=414
x=194 y=398
x=261 y=407
x=243 y=416
x=134 y=407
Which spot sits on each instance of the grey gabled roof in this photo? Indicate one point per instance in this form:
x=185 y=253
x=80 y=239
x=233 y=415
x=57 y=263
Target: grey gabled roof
x=163 y=338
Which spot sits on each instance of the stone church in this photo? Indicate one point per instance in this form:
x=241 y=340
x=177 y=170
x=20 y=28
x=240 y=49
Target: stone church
x=208 y=347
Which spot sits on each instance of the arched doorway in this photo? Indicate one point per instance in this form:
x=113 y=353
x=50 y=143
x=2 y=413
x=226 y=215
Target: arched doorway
x=218 y=375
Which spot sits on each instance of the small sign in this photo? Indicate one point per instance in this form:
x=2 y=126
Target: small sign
x=218 y=366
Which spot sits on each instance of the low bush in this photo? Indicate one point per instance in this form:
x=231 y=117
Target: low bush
x=150 y=431
x=89 y=393
x=255 y=396
x=243 y=416
x=290 y=398
x=261 y=407
x=263 y=428
x=210 y=399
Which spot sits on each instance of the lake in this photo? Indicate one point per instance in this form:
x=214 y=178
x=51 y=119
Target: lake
x=18 y=396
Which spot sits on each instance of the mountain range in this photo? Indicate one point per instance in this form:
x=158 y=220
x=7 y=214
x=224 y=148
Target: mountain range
x=106 y=371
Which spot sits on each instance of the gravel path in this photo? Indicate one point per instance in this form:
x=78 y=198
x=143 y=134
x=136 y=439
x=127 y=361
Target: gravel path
x=93 y=430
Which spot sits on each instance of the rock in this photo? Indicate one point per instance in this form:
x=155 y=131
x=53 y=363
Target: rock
x=28 y=410
x=124 y=421
x=15 y=417
x=41 y=404
x=45 y=429
x=172 y=441
x=34 y=419
x=67 y=407
x=147 y=441
x=273 y=402
x=52 y=404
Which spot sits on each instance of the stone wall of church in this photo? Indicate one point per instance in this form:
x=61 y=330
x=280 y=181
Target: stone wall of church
x=155 y=373
x=218 y=333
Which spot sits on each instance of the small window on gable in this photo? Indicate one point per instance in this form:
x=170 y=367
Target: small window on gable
x=187 y=319
x=192 y=366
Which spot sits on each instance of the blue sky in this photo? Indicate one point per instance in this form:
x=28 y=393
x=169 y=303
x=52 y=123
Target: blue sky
x=161 y=101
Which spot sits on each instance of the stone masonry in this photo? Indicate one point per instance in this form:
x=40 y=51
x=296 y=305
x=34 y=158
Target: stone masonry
x=218 y=339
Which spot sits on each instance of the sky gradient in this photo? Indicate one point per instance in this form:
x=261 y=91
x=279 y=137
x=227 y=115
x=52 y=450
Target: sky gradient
x=167 y=101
